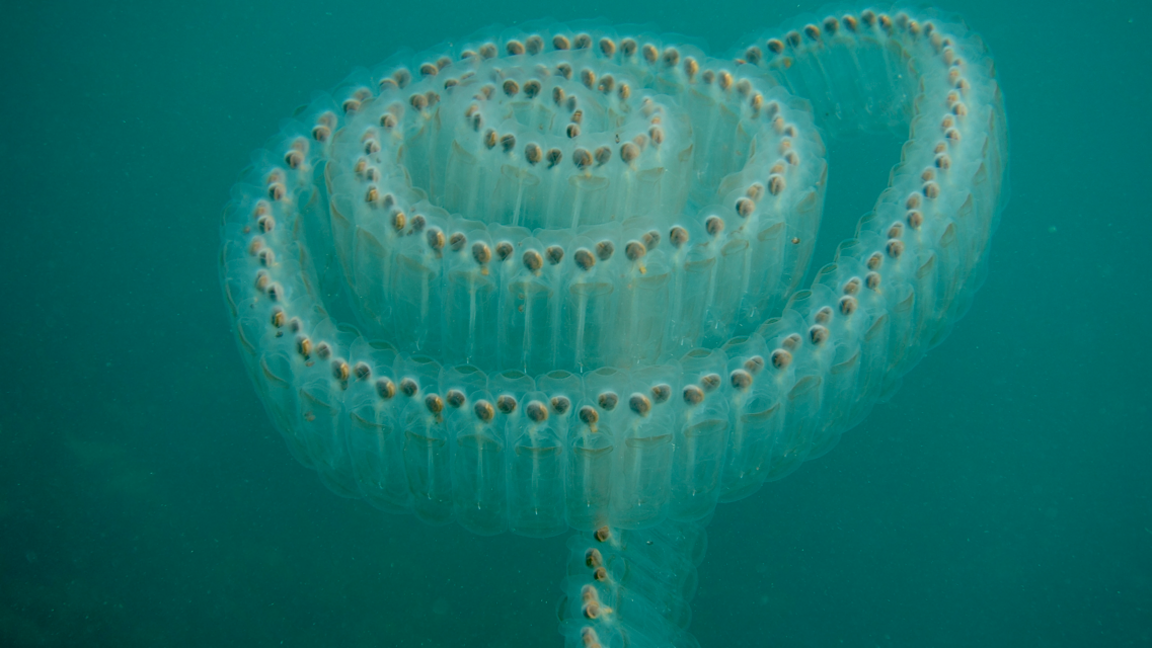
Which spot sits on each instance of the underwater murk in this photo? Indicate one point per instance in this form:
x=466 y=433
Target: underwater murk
x=550 y=279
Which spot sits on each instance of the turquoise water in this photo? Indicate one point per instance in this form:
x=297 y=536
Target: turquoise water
x=1001 y=498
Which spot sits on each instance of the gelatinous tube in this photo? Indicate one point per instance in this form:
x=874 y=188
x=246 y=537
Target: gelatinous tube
x=549 y=278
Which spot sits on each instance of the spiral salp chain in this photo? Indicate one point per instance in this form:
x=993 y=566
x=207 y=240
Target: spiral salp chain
x=572 y=257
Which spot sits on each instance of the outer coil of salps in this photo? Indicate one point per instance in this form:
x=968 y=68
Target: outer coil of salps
x=570 y=261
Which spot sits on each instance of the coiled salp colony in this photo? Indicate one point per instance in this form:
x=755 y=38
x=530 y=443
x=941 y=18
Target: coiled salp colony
x=550 y=278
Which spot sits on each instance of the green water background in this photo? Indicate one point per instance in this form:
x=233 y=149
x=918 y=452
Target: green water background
x=1000 y=499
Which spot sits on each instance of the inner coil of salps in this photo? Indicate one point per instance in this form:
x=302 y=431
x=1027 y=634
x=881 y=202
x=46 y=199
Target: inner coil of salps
x=613 y=205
